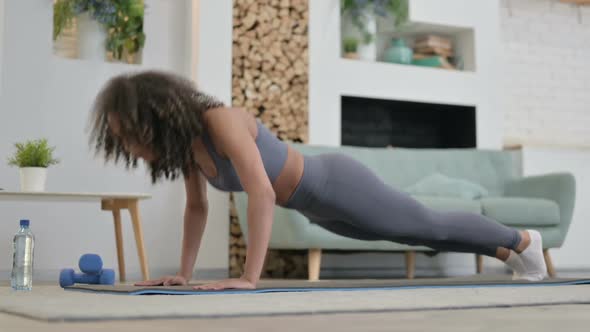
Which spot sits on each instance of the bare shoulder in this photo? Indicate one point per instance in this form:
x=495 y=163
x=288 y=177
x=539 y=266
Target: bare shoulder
x=222 y=117
x=226 y=124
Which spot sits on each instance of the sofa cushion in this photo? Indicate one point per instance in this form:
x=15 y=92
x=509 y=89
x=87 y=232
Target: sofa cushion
x=450 y=204
x=517 y=211
x=441 y=185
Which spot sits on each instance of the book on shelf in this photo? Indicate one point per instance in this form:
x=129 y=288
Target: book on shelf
x=434 y=41
x=434 y=51
x=436 y=61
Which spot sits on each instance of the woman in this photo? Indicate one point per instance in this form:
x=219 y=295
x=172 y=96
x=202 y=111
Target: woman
x=176 y=129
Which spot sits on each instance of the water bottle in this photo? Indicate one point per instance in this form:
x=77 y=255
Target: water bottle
x=22 y=260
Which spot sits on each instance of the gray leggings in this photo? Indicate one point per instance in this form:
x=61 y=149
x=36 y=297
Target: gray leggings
x=344 y=196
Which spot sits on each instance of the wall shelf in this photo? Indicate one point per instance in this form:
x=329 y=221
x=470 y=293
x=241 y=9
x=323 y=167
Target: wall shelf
x=460 y=35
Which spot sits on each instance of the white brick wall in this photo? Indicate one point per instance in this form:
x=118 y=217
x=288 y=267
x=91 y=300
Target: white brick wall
x=546 y=78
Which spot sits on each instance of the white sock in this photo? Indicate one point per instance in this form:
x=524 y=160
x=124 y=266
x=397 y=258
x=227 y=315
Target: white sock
x=516 y=264
x=533 y=260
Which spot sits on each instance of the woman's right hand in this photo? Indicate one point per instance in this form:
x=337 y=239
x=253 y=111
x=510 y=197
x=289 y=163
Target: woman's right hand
x=164 y=281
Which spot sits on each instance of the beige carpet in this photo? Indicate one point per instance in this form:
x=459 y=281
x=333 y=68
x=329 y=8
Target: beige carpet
x=52 y=303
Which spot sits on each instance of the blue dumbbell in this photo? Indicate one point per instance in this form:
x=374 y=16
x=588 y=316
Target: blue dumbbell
x=91 y=266
x=68 y=277
x=90 y=263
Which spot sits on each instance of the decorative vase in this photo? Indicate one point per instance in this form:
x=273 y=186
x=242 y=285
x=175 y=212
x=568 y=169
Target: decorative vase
x=399 y=52
x=132 y=58
x=91 y=38
x=33 y=178
x=66 y=44
x=368 y=51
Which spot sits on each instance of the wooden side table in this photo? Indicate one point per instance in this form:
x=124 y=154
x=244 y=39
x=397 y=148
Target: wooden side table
x=114 y=202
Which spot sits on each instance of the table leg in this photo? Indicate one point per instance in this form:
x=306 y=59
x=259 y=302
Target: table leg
x=119 y=241
x=136 y=221
x=116 y=205
x=479 y=263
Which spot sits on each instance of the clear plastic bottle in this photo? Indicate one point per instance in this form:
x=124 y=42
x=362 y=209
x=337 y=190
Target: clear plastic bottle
x=22 y=260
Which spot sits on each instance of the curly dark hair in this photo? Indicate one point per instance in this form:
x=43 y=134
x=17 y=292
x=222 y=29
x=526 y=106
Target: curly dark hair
x=159 y=110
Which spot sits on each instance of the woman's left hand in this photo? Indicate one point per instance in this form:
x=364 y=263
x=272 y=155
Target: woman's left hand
x=234 y=283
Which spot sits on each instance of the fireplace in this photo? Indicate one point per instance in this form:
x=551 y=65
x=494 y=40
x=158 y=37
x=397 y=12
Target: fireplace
x=397 y=123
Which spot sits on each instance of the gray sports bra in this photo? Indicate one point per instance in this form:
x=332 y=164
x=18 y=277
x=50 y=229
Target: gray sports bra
x=272 y=150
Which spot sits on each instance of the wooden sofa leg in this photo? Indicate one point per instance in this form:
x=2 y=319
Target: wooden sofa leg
x=479 y=263
x=549 y=262
x=314 y=260
x=410 y=264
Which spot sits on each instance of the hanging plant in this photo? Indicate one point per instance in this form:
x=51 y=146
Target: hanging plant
x=357 y=9
x=63 y=14
x=122 y=19
x=125 y=33
x=104 y=11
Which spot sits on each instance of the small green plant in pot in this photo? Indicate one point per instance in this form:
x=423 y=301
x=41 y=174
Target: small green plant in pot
x=33 y=157
x=359 y=19
x=350 y=46
x=361 y=10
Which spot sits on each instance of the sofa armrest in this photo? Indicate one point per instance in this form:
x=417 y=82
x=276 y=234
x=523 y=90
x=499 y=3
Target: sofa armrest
x=557 y=187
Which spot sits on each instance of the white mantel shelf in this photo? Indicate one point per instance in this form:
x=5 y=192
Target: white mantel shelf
x=406 y=82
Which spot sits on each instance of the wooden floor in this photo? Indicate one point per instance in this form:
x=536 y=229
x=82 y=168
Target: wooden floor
x=568 y=318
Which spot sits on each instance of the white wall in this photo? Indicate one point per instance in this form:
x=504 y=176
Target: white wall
x=537 y=160
x=215 y=23
x=545 y=88
x=1 y=41
x=47 y=96
x=546 y=76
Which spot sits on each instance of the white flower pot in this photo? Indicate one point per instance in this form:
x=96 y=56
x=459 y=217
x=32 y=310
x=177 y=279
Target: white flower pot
x=33 y=178
x=369 y=51
x=91 y=38
x=366 y=51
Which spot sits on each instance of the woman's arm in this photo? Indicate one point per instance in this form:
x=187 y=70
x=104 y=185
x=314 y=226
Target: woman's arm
x=233 y=136
x=195 y=219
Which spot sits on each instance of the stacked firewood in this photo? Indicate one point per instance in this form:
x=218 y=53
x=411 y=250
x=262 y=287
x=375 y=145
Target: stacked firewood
x=270 y=61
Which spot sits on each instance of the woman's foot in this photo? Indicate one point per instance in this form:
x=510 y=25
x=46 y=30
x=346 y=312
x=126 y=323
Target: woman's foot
x=516 y=264
x=529 y=264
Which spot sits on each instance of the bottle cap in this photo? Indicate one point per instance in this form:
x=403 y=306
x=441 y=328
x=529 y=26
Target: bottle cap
x=24 y=222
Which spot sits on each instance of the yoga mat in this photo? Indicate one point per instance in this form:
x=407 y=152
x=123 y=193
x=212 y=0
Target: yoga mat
x=280 y=286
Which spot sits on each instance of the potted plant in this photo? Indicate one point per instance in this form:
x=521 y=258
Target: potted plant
x=362 y=14
x=125 y=34
x=350 y=45
x=33 y=157
x=116 y=24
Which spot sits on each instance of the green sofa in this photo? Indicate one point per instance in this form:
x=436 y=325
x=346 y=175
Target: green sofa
x=544 y=203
